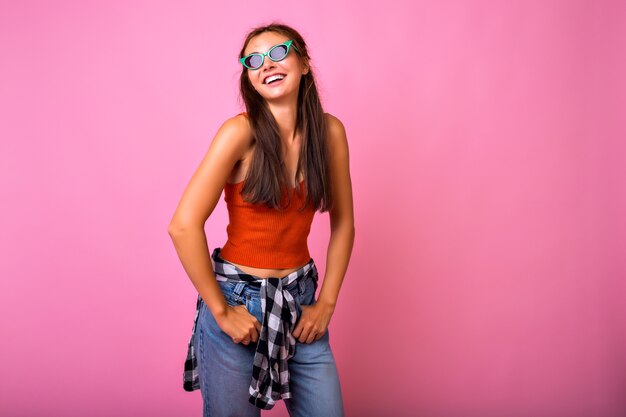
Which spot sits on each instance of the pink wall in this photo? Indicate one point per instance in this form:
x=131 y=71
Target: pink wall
x=488 y=163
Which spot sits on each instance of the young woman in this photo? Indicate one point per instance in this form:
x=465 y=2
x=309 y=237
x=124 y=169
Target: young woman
x=260 y=335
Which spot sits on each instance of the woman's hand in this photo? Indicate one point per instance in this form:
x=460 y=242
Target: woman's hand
x=239 y=324
x=313 y=322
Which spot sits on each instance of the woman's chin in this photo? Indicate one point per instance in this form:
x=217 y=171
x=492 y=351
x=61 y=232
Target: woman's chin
x=279 y=95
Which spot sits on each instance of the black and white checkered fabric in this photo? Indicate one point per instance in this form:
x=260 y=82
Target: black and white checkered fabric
x=276 y=345
x=191 y=377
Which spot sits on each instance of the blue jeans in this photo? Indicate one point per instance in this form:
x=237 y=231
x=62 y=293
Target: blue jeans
x=225 y=367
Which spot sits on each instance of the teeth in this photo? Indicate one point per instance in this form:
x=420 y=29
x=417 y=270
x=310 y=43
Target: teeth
x=274 y=77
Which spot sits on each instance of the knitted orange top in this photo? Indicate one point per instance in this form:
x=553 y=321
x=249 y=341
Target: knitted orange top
x=261 y=237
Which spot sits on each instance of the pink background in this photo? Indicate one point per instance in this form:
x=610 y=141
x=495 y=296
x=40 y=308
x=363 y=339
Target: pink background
x=488 y=156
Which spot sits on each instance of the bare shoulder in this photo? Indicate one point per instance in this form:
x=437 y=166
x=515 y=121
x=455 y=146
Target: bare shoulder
x=337 y=138
x=333 y=123
x=236 y=128
x=242 y=118
x=229 y=146
x=233 y=137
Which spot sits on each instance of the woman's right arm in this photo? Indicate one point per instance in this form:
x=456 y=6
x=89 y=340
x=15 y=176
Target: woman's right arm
x=198 y=202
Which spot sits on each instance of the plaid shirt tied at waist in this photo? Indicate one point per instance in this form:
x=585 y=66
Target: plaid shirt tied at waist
x=276 y=344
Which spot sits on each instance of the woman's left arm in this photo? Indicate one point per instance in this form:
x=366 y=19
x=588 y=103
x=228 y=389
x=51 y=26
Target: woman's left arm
x=315 y=318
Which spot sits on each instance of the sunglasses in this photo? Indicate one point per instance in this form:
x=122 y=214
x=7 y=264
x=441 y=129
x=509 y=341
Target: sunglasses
x=276 y=53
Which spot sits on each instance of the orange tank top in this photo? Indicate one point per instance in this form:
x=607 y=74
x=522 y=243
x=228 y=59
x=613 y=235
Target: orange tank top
x=261 y=237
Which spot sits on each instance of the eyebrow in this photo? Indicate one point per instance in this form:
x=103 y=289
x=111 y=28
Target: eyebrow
x=257 y=52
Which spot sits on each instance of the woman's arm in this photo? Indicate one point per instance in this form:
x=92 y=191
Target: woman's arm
x=315 y=318
x=198 y=202
x=341 y=216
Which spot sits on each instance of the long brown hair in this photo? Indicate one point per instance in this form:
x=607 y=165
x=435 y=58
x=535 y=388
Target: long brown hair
x=266 y=175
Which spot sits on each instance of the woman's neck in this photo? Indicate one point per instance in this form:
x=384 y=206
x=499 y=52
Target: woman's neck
x=285 y=116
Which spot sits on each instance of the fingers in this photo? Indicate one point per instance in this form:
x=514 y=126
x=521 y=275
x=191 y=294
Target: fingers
x=305 y=330
x=250 y=327
x=254 y=333
x=256 y=330
x=309 y=335
x=252 y=336
x=245 y=342
x=297 y=331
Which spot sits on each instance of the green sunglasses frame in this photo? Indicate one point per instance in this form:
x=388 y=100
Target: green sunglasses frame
x=263 y=55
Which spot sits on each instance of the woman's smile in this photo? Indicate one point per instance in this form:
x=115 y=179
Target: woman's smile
x=275 y=83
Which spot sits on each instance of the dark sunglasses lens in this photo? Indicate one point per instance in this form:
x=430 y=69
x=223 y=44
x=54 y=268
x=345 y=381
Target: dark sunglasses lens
x=279 y=52
x=254 y=61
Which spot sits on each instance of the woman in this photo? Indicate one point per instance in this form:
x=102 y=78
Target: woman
x=260 y=335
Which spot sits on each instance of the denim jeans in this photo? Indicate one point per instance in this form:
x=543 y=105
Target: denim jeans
x=225 y=367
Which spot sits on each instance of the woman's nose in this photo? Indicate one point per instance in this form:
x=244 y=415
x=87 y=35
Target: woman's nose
x=267 y=63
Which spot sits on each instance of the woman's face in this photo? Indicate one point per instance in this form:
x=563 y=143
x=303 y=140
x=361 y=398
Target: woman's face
x=290 y=67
